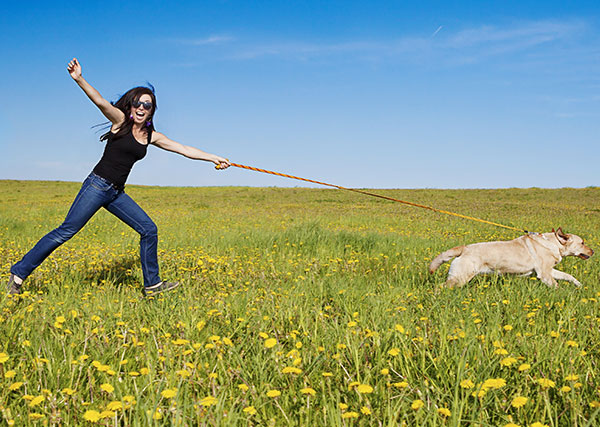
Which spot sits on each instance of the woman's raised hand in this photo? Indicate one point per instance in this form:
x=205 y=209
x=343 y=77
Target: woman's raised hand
x=74 y=69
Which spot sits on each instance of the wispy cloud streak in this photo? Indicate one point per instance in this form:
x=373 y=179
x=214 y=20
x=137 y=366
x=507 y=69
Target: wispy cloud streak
x=476 y=44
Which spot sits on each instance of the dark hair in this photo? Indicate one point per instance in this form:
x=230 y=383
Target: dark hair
x=125 y=102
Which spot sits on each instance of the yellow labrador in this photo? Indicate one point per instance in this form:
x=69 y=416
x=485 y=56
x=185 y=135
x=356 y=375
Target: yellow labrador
x=525 y=255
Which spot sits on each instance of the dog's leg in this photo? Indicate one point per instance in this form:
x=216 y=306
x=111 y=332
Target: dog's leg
x=561 y=275
x=546 y=277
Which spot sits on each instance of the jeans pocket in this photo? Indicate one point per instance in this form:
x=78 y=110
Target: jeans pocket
x=100 y=184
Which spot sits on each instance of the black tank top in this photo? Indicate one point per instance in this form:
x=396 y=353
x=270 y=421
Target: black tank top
x=119 y=156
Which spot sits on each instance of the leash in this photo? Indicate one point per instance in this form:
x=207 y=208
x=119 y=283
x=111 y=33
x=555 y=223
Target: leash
x=377 y=195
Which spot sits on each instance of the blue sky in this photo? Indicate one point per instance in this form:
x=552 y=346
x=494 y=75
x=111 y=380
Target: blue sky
x=451 y=94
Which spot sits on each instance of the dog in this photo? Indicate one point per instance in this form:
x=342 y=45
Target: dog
x=525 y=255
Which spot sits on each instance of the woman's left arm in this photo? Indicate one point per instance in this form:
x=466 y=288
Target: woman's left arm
x=165 y=143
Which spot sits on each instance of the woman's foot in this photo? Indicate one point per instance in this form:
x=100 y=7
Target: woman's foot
x=15 y=285
x=159 y=287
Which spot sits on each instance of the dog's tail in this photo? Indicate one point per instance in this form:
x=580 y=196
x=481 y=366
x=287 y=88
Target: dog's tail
x=445 y=257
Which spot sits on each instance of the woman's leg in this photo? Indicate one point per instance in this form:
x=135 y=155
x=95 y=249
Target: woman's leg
x=128 y=211
x=93 y=194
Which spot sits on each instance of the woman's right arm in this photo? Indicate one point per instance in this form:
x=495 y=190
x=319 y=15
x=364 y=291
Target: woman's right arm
x=111 y=112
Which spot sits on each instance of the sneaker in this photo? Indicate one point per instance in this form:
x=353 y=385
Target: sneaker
x=160 y=287
x=14 y=288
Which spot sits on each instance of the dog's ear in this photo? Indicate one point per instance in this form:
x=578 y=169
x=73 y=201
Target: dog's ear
x=562 y=237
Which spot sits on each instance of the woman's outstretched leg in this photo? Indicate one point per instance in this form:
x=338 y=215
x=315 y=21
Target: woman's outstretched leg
x=92 y=196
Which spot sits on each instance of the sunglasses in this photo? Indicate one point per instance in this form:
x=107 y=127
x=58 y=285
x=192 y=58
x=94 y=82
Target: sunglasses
x=146 y=105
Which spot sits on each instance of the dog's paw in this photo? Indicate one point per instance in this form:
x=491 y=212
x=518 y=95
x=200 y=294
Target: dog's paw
x=577 y=283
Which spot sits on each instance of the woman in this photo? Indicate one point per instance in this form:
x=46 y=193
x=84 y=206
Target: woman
x=127 y=140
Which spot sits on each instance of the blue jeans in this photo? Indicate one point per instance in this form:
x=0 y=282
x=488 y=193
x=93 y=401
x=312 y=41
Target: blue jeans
x=96 y=193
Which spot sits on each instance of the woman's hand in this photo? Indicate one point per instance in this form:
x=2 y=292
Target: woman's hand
x=221 y=162
x=74 y=69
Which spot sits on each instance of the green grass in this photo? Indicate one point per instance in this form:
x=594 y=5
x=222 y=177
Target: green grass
x=338 y=279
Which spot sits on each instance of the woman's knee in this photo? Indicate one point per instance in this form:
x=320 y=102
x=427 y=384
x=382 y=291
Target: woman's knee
x=63 y=233
x=149 y=228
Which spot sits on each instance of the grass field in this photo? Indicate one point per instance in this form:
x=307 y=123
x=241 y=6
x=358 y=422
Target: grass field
x=298 y=307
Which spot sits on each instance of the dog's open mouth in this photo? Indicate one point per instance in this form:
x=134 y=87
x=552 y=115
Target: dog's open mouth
x=583 y=256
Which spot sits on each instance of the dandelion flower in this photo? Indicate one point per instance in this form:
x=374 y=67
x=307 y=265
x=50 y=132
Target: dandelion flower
x=92 y=416
x=15 y=386
x=364 y=389
x=208 y=401
x=270 y=342
x=394 y=352
x=519 y=401
x=417 y=404
x=107 y=388
x=347 y=415
x=572 y=377
x=507 y=361
x=36 y=401
x=308 y=390
x=546 y=383
x=444 y=411
x=250 y=410
x=273 y=393
x=467 y=384
x=402 y=384
x=169 y=393
x=524 y=367
x=291 y=370
x=365 y=410
x=3 y=358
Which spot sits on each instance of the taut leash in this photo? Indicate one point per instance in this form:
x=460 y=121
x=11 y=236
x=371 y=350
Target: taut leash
x=378 y=195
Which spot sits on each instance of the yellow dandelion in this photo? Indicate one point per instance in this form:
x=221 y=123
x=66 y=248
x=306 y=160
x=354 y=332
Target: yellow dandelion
x=169 y=393
x=208 y=401
x=519 y=401
x=92 y=416
x=114 y=406
x=308 y=390
x=347 y=415
x=273 y=393
x=507 y=361
x=365 y=410
x=385 y=371
x=269 y=343
x=10 y=374
x=524 y=367
x=444 y=411
x=107 y=388
x=546 y=383
x=572 y=343
x=15 y=386
x=327 y=374
x=394 y=352
x=36 y=401
x=417 y=404
x=402 y=384
x=565 y=389
x=4 y=358
x=291 y=370
x=364 y=389
x=250 y=410
x=493 y=383
x=572 y=377
x=538 y=424
x=467 y=384
x=243 y=387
